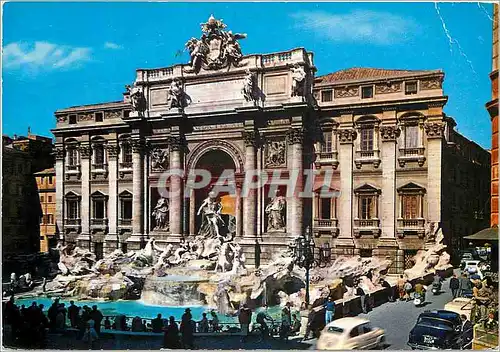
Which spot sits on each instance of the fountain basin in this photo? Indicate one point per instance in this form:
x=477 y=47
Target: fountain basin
x=173 y=290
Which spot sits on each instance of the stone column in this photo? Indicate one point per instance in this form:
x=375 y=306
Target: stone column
x=192 y=212
x=60 y=191
x=238 y=210
x=295 y=137
x=250 y=201
x=176 y=191
x=388 y=199
x=85 y=215
x=346 y=138
x=137 y=191
x=111 y=237
x=435 y=133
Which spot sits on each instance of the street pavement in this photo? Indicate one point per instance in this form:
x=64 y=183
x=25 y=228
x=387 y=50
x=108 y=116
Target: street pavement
x=398 y=318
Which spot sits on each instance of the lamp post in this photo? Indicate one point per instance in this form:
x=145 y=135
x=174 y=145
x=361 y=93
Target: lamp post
x=304 y=254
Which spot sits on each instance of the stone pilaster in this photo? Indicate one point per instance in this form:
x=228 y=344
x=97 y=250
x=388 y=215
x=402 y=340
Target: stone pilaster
x=295 y=138
x=85 y=156
x=346 y=151
x=388 y=201
x=435 y=133
x=137 y=192
x=176 y=146
x=192 y=212
x=60 y=191
x=111 y=236
x=238 y=210
x=250 y=201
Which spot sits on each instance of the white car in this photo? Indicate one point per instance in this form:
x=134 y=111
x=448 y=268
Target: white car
x=472 y=267
x=350 y=334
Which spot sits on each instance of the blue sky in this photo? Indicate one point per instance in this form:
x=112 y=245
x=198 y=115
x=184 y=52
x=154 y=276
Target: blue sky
x=57 y=55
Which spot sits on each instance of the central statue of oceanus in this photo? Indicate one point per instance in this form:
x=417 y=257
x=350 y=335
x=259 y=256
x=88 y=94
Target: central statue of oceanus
x=212 y=222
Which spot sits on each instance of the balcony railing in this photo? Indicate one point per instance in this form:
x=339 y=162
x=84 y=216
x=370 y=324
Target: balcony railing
x=125 y=165
x=73 y=168
x=411 y=223
x=125 y=222
x=99 y=222
x=366 y=223
x=367 y=157
x=73 y=222
x=411 y=151
x=321 y=223
x=99 y=167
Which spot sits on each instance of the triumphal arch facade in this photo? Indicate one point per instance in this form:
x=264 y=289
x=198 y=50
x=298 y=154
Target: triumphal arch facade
x=128 y=168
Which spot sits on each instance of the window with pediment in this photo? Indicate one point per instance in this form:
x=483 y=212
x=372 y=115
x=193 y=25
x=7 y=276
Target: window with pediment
x=411 y=201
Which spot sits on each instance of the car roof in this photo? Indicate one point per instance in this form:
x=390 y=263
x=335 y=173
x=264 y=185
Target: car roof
x=348 y=323
x=472 y=262
x=440 y=313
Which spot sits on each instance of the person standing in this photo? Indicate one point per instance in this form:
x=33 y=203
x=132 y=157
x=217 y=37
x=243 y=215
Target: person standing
x=244 y=317
x=157 y=324
x=401 y=284
x=262 y=316
x=465 y=286
x=467 y=331
x=73 y=314
x=454 y=285
x=171 y=336
x=97 y=317
x=330 y=310
x=90 y=336
x=362 y=298
x=186 y=329
x=286 y=321
x=203 y=324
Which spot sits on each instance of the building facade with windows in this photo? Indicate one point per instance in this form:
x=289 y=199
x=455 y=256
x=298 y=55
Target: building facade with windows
x=21 y=210
x=381 y=133
x=394 y=153
x=46 y=185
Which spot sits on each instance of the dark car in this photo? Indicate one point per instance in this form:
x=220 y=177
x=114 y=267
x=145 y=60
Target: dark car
x=439 y=329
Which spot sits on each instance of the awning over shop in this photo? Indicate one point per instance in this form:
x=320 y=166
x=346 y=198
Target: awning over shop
x=489 y=234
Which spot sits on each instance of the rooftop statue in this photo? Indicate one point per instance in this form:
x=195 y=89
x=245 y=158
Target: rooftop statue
x=216 y=48
x=137 y=98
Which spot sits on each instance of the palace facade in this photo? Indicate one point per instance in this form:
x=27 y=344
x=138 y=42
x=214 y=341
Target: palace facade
x=378 y=139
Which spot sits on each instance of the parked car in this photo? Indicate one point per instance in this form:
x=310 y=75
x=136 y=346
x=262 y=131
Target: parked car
x=473 y=268
x=467 y=255
x=350 y=334
x=436 y=329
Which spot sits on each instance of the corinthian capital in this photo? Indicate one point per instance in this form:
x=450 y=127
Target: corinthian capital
x=347 y=135
x=137 y=146
x=85 y=151
x=176 y=143
x=112 y=150
x=389 y=133
x=59 y=153
x=250 y=138
x=295 y=136
x=434 y=129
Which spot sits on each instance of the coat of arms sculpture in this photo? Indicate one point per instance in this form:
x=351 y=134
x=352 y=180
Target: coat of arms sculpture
x=216 y=49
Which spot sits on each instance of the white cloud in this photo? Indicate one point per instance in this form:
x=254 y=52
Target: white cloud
x=357 y=26
x=43 y=55
x=111 y=45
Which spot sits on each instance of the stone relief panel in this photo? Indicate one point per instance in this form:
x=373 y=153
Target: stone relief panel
x=159 y=97
x=388 y=88
x=275 y=153
x=275 y=85
x=430 y=83
x=159 y=159
x=215 y=91
x=347 y=92
x=114 y=114
x=62 y=118
x=86 y=117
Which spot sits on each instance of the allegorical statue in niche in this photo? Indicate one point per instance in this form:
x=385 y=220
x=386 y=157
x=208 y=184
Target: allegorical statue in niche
x=160 y=213
x=176 y=96
x=275 y=211
x=248 y=89
x=137 y=98
x=159 y=159
x=298 y=80
x=212 y=222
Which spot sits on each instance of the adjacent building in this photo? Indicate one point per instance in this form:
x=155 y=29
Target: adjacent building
x=21 y=211
x=381 y=134
x=46 y=185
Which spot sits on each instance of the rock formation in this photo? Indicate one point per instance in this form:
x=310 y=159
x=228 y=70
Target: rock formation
x=431 y=260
